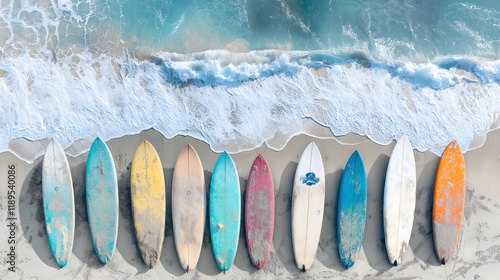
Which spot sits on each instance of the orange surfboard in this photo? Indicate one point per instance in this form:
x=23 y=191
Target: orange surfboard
x=449 y=199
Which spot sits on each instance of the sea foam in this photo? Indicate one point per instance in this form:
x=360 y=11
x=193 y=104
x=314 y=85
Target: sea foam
x=238 y=101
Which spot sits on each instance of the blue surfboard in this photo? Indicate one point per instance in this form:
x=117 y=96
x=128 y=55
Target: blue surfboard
x=102 y=200
x=225 y=211
x=351 y=215
x=58 y=202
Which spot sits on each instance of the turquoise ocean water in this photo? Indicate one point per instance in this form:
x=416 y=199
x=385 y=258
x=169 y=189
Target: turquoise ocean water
x=236 y=74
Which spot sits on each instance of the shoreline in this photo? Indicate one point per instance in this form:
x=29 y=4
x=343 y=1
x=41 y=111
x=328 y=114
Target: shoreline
x=476 y=253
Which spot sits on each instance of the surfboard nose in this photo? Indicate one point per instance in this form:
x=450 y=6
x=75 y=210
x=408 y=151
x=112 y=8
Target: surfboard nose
x=454 y=145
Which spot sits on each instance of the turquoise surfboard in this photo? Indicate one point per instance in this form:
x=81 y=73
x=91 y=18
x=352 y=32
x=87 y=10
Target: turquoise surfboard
x=351 y=215
x=102 y=200
x=58 y=202
x=225 y=211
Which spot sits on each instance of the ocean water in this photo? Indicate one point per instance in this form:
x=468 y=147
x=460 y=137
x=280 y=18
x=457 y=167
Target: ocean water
x=237 y=74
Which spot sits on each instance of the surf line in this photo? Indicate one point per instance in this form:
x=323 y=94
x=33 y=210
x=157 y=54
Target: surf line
x=11 y=217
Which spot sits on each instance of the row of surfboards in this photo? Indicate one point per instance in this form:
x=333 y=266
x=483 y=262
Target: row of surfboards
x=189 y=205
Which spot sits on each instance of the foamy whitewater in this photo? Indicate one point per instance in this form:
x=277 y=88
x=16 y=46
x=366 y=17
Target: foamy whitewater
x=236 y=74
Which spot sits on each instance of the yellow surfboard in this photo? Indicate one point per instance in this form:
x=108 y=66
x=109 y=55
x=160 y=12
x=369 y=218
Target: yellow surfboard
x=147 y=190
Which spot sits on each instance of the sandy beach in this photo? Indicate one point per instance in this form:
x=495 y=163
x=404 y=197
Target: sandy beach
x=476 y=257
x=248 y=78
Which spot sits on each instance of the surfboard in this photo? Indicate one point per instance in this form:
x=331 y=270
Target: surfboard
x=188 y=207
x=308 y=201
x=224 y=211
x=351 y=215
x=58 y=202
x=102 y=200
x=399 y=200
x=147 y=191
x=259 y=211
x=449 y=200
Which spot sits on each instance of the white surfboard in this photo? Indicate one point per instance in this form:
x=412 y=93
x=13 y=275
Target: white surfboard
x=308 y=200
x=188 y=207
x=399 y=200
x=58 y=202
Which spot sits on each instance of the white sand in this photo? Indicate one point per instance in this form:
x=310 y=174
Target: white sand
x=477 y=255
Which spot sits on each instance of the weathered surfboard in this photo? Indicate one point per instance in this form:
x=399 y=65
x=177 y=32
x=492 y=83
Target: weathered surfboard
x=58 y=202
x=188 y=207
x=224 y=211
x=308 y=201
x=351 y=215
x=449 y=200
x=102 y=200
x=399 y=200
x=259 y=211
x=147 y=190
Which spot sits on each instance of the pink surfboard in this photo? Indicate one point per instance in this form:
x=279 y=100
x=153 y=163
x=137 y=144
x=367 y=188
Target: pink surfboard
x=259 y=211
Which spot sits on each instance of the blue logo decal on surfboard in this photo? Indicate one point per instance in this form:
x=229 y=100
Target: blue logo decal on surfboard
x=310 y=179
